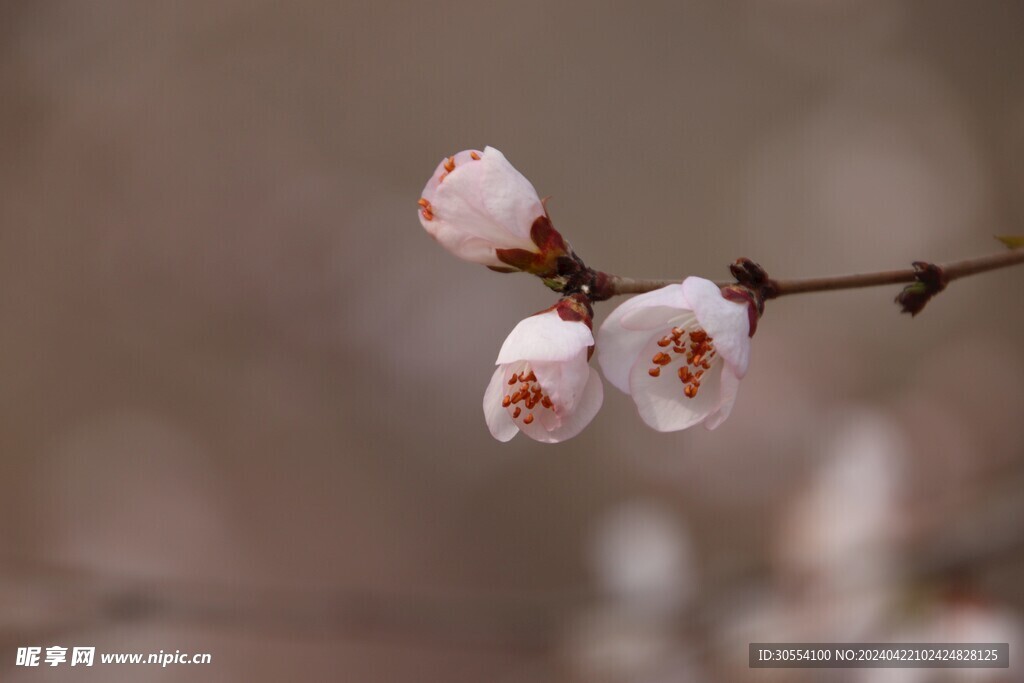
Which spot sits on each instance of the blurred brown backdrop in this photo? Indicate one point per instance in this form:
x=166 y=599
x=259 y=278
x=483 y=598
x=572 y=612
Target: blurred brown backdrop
x=241 y=387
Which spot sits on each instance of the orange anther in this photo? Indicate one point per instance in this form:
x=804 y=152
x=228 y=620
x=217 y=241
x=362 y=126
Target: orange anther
x=546 y=402
x=684 y=374
x=474 y=156
x=518 y=411
x=449 y=164
x=512 y=380
x=528 y=419
x=664 y=341
x=661 y=359
x=690 y=391
x=654 y=372
x=506 y=402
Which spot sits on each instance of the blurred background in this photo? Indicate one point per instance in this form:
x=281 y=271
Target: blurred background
x=240 y=397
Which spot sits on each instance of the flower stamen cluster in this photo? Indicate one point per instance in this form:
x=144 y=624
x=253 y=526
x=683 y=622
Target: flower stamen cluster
x=696 y=359
x=529 y=393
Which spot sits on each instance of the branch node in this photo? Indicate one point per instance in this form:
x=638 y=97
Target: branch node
x=753 y=276
x=929 y=280
x=753 y=287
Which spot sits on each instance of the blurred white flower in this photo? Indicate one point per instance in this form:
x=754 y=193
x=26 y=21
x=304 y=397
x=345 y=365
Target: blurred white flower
x=842 y=529
x=544 y=384
x=838 y=547
x=680 y=352
x=640 y=553
x=606 y=645
x=642 y=557
x=959 y=619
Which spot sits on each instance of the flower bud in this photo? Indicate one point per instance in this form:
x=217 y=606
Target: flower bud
x=481 y=209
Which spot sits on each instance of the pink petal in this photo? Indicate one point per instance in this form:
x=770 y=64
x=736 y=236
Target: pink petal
x=481 y=205
x=499 y=422
x=653 y=309
x=507 y=195
x=618 y=346
x=726 y=321
x=459 y=159
x=572 y=423
x=545 y=337
x=563 y=381
x=617 y=351
x=727 y=398
x=660 y=400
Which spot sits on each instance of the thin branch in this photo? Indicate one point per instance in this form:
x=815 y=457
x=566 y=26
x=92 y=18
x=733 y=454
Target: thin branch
x=953 y=270
x=628 y=285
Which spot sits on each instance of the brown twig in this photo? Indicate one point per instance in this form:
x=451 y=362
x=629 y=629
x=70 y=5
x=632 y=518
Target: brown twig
x=953 y=271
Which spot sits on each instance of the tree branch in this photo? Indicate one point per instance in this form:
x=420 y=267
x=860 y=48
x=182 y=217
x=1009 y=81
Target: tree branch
x=953 y=271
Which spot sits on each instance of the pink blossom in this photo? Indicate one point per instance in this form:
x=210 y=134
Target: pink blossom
x=679 y=352
x=481 y=209
x=543 y=384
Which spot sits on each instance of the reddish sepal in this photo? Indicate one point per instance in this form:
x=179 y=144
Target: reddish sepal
x=743 y=295
x=544 y=263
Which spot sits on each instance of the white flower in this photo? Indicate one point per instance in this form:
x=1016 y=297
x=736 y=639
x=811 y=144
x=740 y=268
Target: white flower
x=544 y=384
x=679 y=351
x=481 y=209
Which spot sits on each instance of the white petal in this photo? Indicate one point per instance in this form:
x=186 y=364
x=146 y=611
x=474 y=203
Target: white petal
x=617 y=351
x=460 y=159
x=563 y=381
x=453 y=238
x=727 y=398
x=661 y=401
x=726 y=321
x=481 y=205
x=498 y=420
x=574 y=422
x=618 y=346
x=657 y=318
x=508 y=196
x=652 y=309
x=545 y=337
